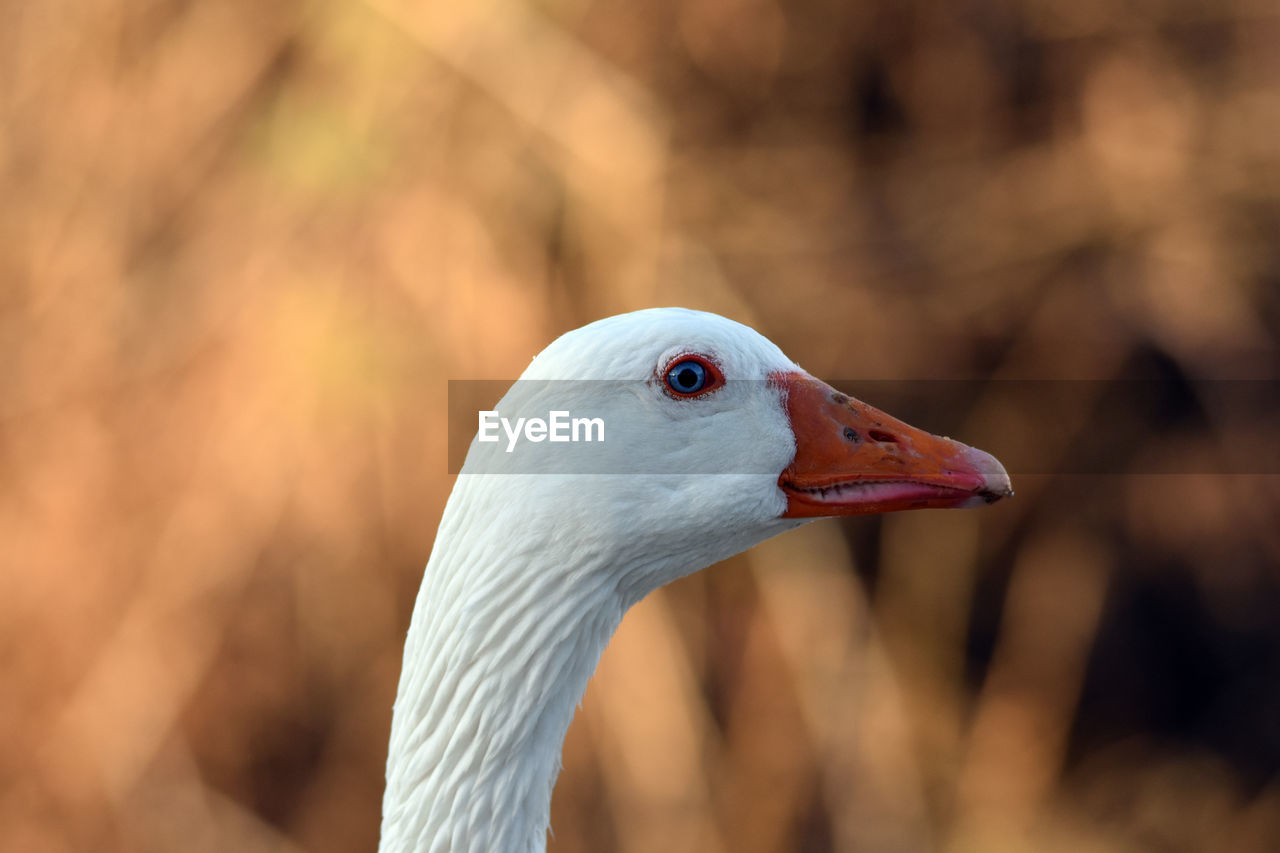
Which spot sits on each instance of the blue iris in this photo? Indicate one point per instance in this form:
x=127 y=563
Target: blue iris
x=687 y=377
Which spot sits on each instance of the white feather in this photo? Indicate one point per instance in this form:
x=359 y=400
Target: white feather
x=532 y=572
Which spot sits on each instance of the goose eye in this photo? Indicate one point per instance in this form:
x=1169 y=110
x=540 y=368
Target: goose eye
x=691 y=375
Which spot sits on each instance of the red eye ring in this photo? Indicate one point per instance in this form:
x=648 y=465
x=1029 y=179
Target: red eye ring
x=691 y=375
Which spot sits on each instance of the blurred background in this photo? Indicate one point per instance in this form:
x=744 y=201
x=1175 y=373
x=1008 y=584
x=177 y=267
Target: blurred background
x=244 y=246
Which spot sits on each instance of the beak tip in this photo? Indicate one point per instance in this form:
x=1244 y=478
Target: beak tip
x=996 y=482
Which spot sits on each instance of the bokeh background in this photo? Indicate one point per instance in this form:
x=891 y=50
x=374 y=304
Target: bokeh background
x=244 y=245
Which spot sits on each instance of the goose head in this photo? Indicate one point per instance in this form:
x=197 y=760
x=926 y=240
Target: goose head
x=709 y=440
x=712 y=440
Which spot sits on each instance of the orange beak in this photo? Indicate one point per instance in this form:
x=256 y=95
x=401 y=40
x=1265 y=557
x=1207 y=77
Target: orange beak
x=853 y=459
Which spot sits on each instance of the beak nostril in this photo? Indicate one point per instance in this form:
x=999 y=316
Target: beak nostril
x=851 y=434
x=882 y=437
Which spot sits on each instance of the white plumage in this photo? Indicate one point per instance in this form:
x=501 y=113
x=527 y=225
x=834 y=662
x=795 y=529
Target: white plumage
x=532 y=571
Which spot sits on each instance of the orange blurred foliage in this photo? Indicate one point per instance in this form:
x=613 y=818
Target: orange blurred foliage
x=245 y=245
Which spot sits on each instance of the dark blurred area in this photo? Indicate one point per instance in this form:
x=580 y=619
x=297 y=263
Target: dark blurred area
x=244 y=246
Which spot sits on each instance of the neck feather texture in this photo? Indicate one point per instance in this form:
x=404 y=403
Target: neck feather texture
x=529 y=578
x=506 y=631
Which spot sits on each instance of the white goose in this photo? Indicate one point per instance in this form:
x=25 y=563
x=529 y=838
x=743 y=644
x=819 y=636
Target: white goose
x=542 y=550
